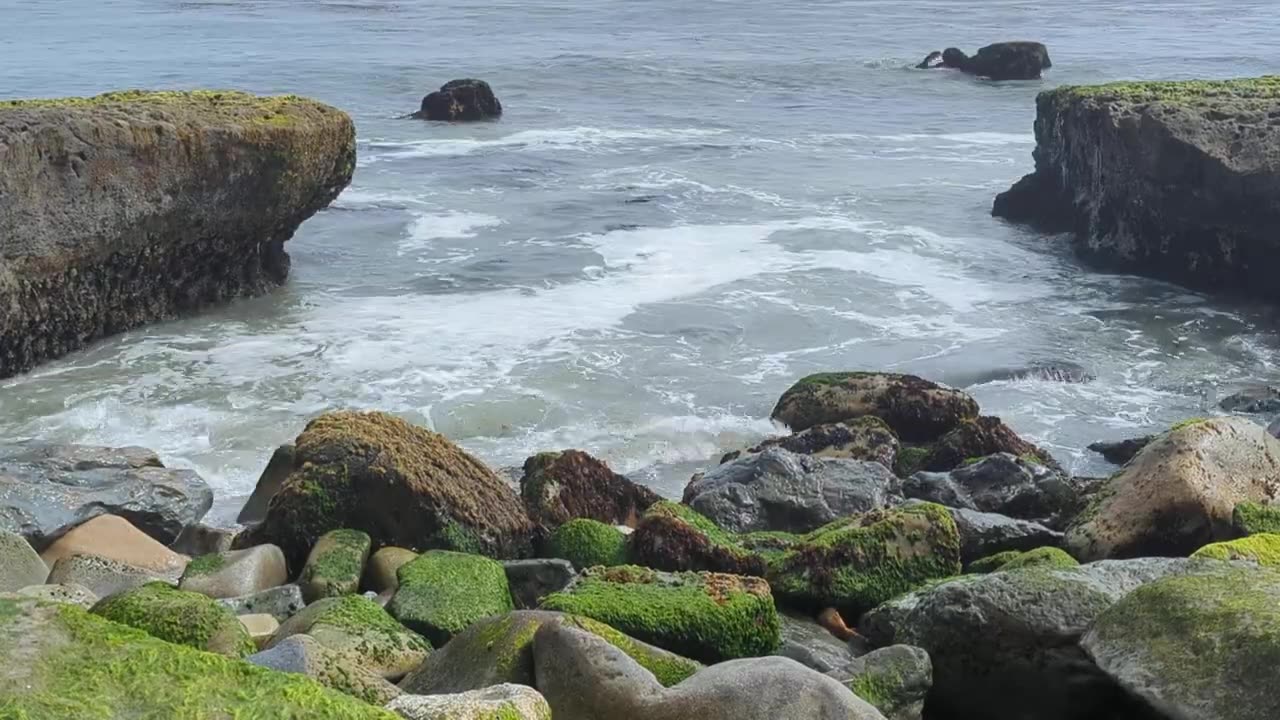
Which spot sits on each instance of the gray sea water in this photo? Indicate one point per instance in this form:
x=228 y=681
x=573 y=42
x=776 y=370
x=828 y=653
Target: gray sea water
x=685 y=207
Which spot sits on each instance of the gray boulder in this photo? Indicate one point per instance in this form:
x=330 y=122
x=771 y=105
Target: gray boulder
x=1000 y=483
x=895 y=679
x=985 y=534
x=585 y=678
x=811 y=644
x=1120 y=452
x=306 y=655
x=1253 y=400
x=200 y=539
x=781 y=490
x=47 y=490
x=101 y=576
x=506 y=701
x=20 y=566
x=281 y=602
x=235 y=573
x=532 y=580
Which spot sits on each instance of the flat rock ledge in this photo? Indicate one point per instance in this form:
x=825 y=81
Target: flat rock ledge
x=1174 y=180
x=134 y=206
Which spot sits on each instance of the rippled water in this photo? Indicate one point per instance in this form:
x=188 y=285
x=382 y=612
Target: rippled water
x=686 y=206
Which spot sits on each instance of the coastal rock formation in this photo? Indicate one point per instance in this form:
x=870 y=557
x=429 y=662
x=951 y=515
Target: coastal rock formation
x=867 y=438
x=1017 y=60
x=459 y=100
x=130 y=207
x=559 y=486
x=914 y=408
x=359 y=629
x=1019 y=487
x=442 y=592
x=1174 y=180
x=178 y=616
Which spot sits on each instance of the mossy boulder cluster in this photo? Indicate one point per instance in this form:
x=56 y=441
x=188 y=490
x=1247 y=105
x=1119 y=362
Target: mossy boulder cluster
x=585 y=542
x=442 y=592
x=178 y=616
x=134 y=206
x=361 y=630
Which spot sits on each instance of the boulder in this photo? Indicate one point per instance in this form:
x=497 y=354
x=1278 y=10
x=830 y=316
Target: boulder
x=859 y=562
x=999 y=61
x=200 y=539
x=1203 y=647
x=280 y=603
x=1263 y=549
x=917 y=410
x=780 y=490
x=101 y=576
x=78 y=665
x=338 y=671
x=676 y=537
x=585 y=678
x=1253 y=400
x=78 y=595
x=979 y=438
x=135 y=206
x=1248 y=518
x=1173 y=180
x=460 y=100
x=380 y=572
x=865 y=438
x=1014 y=560
x=532 y=580
x=335 y=565
x=1179 y=492
x=181 y=617
x=48 y=490
x=1019 y=487
x=1003 y=645
x=810 y=644
x=278 y=469
x=114 y=538
x=559 y=487
x=505 y=702
x=235 y=572
x=983 y=534
x=1121 y=451
x=894 y=679
x=20 y=566
x=442 y=592
x=360 y=630
x=260 y=627
x=403 y=485
x=499 y=649
x=710 y=617
x=585 y=542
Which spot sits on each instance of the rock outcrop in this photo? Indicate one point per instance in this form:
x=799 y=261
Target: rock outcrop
x=1174 y=180
x=1018 y=60
x=460 y=100
x=133 y=206
x=560 y=486
x=916 y=409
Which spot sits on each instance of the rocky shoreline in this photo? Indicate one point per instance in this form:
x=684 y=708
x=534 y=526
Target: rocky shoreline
x=901 y=556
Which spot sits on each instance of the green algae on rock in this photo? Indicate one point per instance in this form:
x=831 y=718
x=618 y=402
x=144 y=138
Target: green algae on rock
x=708 y=617
x=403 y=485
x=585 y=542
x=1248 y=518
x=178 y=616
x=1014 y=560
x=557 y=487
x=136 y=206
x=675 y=537
x=1262 y=548
x=917 y=410
x=359 y=628
x=335 y=565
x=78 y=665
x=858 y=562
x=442 y=592
x=335 y=670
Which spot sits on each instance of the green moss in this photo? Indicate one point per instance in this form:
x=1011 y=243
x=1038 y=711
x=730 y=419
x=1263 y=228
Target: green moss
x=442 y=592
x=336 y=564
x=88 y=668
x=675 y=537
x=1187 y=423
x=827 y=378
x=1045 y=556
x=1249 y=518
x=856 y=563
x=668 y=669
x=705 y=616
x=178 y=616
x=911 y=458
x=205 y=565
x=276 y=111
x=1188 y=92
x=971 y=461
x=992 y=563
x=1263 y=548
x=585 y=542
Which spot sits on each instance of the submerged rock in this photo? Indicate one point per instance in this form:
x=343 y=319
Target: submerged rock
x=1121 y=451
x=559 y=487
x=1174 y=180
x=48 y=490
x=135 y=206
x=916 y=409
x=459 y=100
x=1017 y=60
x=1253 y=400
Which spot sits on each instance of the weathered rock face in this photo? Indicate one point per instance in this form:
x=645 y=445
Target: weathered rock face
x=273 y=476
x=359 y=629
x=894 y=679
x=867 y=438
x=506 y=701
x=46 y=490
x=459 y=100
x=1178 y=494
x=780 y=490
x=978 y=438
x=1175 y=180
x=20 y=566
x=675 y=537
x=403 y=485
x=133 y=206
x=305 y=655
x=916 y=409
x=559 y=487
x=111 y=537
x=983 y=534
x=1004 y=484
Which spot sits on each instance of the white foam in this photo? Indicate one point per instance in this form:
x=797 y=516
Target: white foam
x=576 y=138
x=355 y=198
x=450 y=225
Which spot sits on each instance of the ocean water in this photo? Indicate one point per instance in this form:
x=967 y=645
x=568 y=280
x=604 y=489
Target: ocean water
x=686 y=207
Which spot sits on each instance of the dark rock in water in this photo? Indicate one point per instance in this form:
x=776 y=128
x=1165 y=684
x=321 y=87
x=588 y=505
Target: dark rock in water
x=269 y=483
x=134 y=206
x=866 y=438
x=1001 y=483
x=1255 y=400
x=563 y=486
x=532 y=580
x=48 y=490
x=780 y=490
x=459 y=100
x=983 y=534
x=1063 y=372
x=1122 y=451
x=999 y=61
x=1174 y=180
x=916 y=409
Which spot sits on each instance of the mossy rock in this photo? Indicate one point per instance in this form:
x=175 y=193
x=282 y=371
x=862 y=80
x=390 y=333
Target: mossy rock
x=335 y=670
x=1174 y=92
x=857 y=563
x=1196 y=646
x=499 y=702
x=585 y=542
x=178 y=616
x=560 y=486
x=865 y=438
x=895 y=679
x=972 y=440
x=1250 y=517
x=362 y=630
x=1263 y=548
x=1014 y=560
x=81 y=666
x=442 y=592
x=403 y=485
x=916 y=409
x=911 y=460
x=709 y=617
x=335 y=565
x=675 y=537
x=498 y=650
